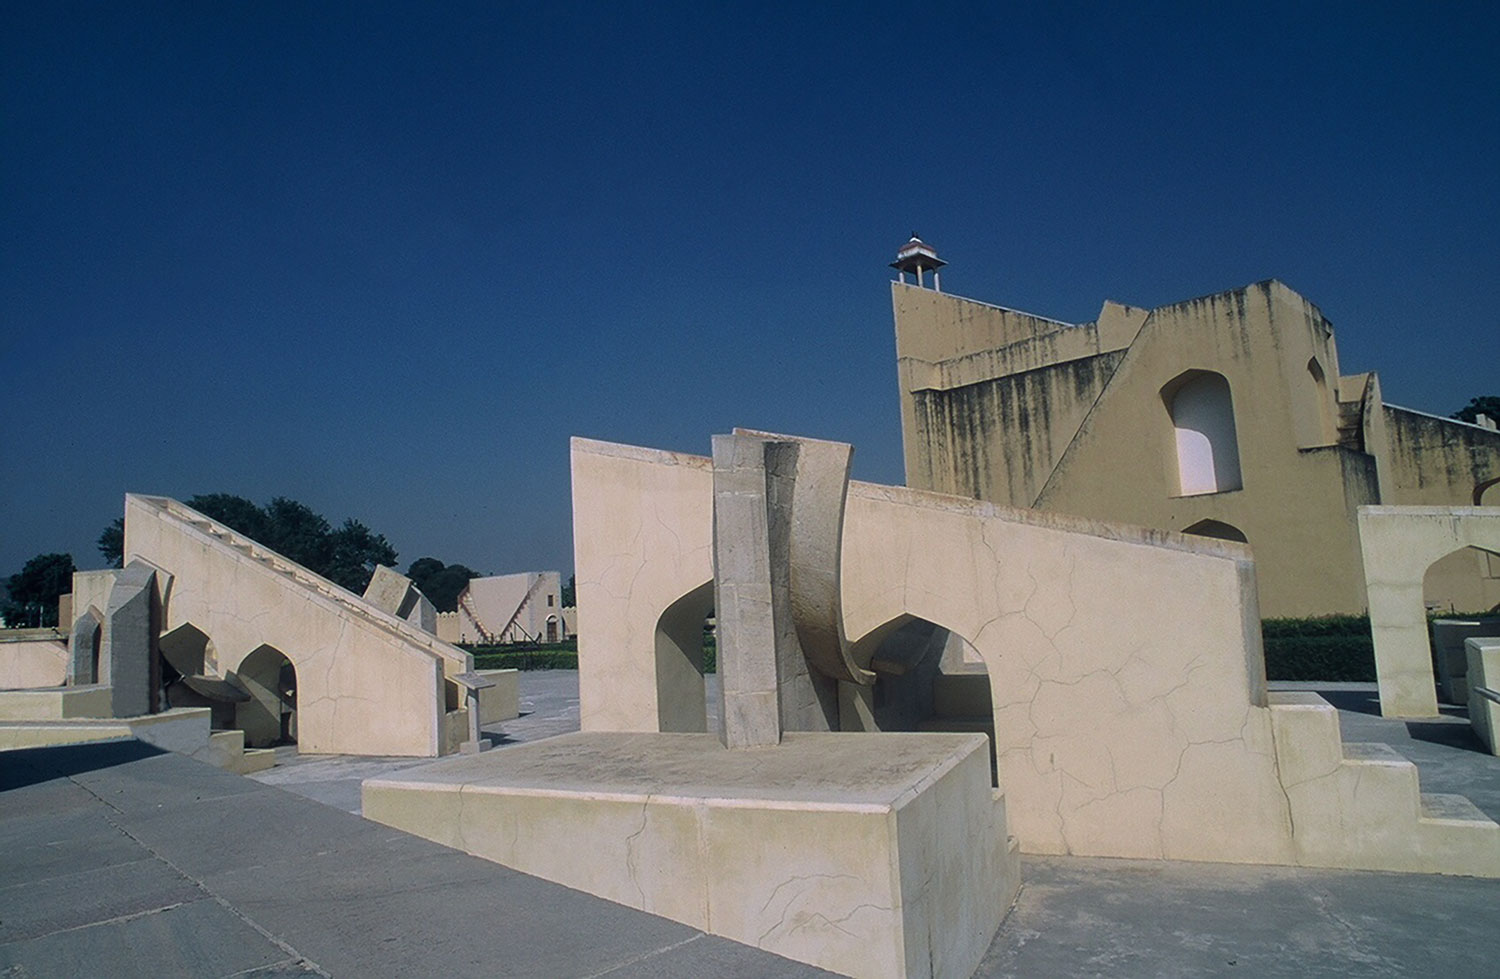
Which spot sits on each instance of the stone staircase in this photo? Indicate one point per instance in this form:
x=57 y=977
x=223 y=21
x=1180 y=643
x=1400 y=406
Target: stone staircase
x=1360 y=806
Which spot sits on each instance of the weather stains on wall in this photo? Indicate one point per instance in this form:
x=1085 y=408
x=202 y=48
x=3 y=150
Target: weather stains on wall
x=999 y=440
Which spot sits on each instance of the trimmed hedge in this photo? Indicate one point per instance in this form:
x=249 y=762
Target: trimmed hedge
x=1331 y=647
x=527 y=659
x=554 y=656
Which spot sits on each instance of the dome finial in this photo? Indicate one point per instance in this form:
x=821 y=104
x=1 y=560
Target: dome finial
x=916 y=256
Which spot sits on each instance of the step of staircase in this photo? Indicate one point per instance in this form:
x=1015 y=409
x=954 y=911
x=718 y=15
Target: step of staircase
x=1359 y=805
x=1452 y=808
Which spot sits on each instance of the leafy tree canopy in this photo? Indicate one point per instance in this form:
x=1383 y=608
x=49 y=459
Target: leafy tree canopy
x=112 y=543
x=34 y=590
x=569 y=596
x=1487 y=404
x=440 y=582
x=346 y=556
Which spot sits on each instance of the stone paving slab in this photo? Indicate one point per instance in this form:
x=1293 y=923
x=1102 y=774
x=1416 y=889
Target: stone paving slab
x=199 y=938
x=1074 y=916
x=1078 y=916
x=133 y=862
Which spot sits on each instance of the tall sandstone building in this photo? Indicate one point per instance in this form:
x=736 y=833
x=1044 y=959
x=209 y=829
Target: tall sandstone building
x=1224 y=416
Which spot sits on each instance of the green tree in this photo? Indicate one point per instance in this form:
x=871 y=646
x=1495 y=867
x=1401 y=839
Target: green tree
x=354 y=552
x=34 y=590
x=346 y=556
x=569 y=596
x=440 y=582
x=295 y=531
x=1487 y=404
x=112 y=543
x=234 y=512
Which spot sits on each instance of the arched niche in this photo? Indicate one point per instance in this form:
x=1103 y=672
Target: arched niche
x=1201 y=411
x=927 y=678
x=186 y=649
x=1217 y=529
x=681 y=705
x=1487 y=493
x=269 y=717
x=1463 y=582
x=1327 y=429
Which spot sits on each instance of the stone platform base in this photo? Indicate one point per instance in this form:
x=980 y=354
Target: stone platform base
x=184 y=730
x=868 y=854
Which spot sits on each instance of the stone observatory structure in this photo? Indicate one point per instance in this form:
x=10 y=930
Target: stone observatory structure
x=872 y=855
x=1115 y=670
x=1121 y=668
x=361 y=680
x=206 y=621
x=1224 y=416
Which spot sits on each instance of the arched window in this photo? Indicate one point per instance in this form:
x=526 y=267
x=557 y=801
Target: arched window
x=1326 y=428
x=1202 y=414
x=1216 y=529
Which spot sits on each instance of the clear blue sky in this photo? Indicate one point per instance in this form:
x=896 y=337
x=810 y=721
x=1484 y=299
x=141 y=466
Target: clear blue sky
x=385 y=258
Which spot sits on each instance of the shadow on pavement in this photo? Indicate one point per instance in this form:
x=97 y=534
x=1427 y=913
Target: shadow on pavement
x=29 y=766
x=1460 y=736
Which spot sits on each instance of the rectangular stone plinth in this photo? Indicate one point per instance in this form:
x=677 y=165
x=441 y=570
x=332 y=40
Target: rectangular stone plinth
x=867 y=854
x=1483 y=668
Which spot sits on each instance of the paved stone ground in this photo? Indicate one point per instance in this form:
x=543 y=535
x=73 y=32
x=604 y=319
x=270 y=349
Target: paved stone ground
x=158 y=866
x=122 y=861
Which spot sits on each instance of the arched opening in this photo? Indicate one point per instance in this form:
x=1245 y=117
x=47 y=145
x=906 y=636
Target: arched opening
x=1487 y=494
x=1462 y=594
x=269 y=716
x=184 y=649
x=1465 y=582
x=1202 y=414
x=927 y=678
x=188 y=662
x=85 y=641
x=1216 y=529
x=681 y=634
x=552 y=627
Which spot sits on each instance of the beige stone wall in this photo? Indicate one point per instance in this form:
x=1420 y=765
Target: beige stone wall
x=1126 y=675
x=91 y=591
x=496 y=599
x=1442 y=462
x=367 y=682
x=502 y=702
x=1092 y=635
x=54 y=703
x=991 y=396
x=1437 y=461
x=1296 y=506
x=1067 y=429
x=629 y=503
x=447 y=627
x=32 y=658
x=1399 y=544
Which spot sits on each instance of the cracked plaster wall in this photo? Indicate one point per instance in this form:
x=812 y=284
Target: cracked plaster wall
x=1398 y=544
x=1125 y=664
x=39 y=661
x=360 y=689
